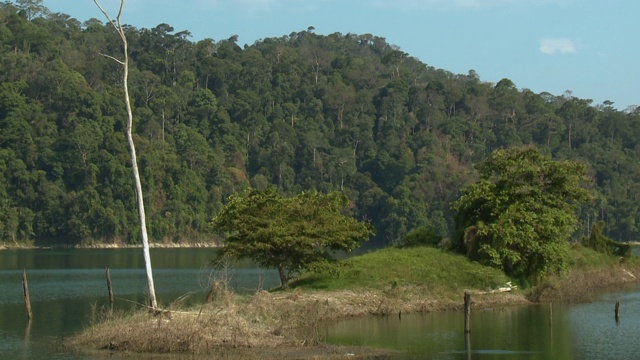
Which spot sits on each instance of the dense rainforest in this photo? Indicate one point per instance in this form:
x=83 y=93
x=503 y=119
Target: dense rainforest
x=342 y=112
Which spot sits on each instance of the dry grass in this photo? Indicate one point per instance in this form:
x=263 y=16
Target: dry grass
x=583 y=285
x=280 y=325
x=288 y=325
x=228 y=322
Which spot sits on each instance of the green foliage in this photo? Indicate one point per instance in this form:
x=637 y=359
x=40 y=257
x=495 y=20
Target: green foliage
x=288 y=233
x=520 y=214
x=602 y=244
x=421 y=236
x=439 y=271
x=585 y=258
x=303 y=111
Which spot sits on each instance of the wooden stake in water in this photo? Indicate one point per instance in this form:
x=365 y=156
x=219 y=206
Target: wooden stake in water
x=110 y=288
x=27 y=300
x=550 y=313
x=617 y=311
x=467 y=312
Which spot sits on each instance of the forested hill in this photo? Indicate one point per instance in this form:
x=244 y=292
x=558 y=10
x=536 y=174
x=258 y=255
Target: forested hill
x=303 y=111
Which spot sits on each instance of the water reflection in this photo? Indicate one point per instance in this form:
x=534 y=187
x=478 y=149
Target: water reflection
x=584 y=331
x=517 y=332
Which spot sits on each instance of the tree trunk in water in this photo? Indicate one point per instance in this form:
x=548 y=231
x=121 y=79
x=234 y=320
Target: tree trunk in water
x=132 y=150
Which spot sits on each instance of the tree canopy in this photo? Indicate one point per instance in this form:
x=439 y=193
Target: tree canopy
x=521 y=213
x=301 y=111
x=288 y=233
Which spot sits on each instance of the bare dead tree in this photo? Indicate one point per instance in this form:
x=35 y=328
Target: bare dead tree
x=132 y=149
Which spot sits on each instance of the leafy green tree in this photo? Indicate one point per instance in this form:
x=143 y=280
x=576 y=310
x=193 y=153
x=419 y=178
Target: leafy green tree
x=520 y=214
x=288 y=233
x=32 y=8
x=394 y=59
x=579 y=118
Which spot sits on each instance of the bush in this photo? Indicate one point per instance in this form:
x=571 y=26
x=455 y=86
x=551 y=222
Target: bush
x=602 y=244
x=421 y=236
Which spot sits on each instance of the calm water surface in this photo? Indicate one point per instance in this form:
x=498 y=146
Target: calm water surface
x=68 y=285
x=584 y=331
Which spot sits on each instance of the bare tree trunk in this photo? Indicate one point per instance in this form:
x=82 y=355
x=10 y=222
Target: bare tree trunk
x=132 y=149
x=284 y=279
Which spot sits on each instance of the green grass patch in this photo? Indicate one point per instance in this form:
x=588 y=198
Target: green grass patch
x=584 y=258
x=433 y=268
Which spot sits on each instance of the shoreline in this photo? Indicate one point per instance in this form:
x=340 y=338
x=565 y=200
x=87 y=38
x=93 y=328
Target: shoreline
x=284 y=325
x=269 y=325
x=112 y=246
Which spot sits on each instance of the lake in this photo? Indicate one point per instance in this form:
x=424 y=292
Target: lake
x=68 y=286
x=582 y=331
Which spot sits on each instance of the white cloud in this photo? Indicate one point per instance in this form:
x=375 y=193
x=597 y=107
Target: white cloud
x=557 y=45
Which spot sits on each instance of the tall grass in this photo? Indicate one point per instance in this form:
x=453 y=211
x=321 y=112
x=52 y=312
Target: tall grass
x=586 y=258
x=588 y=272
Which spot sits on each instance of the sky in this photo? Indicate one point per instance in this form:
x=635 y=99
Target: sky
x=587 y=47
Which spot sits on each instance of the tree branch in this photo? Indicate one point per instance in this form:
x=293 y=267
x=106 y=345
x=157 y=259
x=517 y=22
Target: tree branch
x=116 y=24
x=113 y=58
x=106 y=14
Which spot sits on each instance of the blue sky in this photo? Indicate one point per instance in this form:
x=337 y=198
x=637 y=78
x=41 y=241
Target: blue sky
x=589 y=47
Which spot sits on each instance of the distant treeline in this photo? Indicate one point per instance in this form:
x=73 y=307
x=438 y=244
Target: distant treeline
x=303 y=111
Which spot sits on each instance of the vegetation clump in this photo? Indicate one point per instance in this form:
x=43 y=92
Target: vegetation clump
x=521 y=213
x=425 y=235
x=589 y=272
x=288 y=234
x=602 y=244
x=438 y=273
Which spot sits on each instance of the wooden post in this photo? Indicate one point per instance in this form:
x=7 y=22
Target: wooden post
x=550 y=313
x=467 y=312
x=27 y=300
x=617 y=311
x=110 y=288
